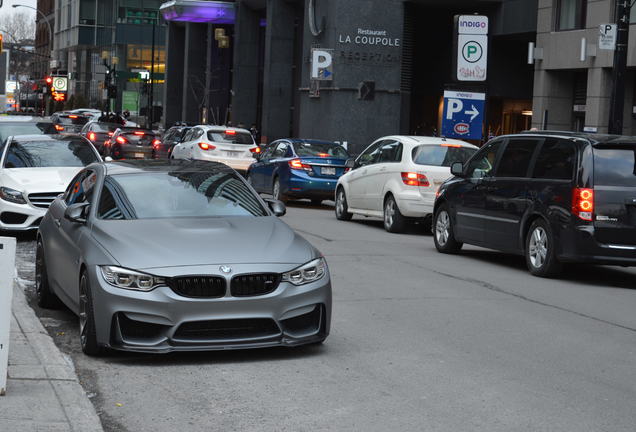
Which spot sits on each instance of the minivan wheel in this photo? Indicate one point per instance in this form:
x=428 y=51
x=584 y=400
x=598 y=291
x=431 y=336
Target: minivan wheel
x=394 y=222
x=342 y=208
x=88 y=337
x=540 y=251
x=46 y=298
x=443 y=233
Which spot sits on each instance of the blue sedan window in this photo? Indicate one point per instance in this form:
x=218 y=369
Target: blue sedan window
x=320 y=150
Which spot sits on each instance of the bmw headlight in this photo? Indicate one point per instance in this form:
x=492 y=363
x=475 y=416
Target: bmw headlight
x=12 y=195
x=307 y=273
x=129 y=279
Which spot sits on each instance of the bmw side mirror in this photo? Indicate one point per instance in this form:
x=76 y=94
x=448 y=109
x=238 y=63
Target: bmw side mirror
x=76 y=213
x=350 y=163
x=457 y=169
x=277 y=207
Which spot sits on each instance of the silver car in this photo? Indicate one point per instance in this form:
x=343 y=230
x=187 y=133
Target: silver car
x=159 y=256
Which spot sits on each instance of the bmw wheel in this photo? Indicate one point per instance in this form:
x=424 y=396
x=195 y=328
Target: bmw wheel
x=540 y=251
x=443 y=233
x=46 y=298
x=394 y=222
x=88 y=338
x=342 y=208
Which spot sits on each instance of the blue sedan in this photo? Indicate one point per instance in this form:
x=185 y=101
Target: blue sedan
x=298 y=168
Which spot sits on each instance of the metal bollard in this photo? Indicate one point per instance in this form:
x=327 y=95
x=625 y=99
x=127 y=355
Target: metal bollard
x=7 y=271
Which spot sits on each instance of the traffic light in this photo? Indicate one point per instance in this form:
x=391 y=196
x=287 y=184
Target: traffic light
x=59 y=97
x=48 y=80
x=112 y=92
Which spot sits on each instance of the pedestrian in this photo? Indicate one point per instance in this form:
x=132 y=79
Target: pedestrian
x=254 y=132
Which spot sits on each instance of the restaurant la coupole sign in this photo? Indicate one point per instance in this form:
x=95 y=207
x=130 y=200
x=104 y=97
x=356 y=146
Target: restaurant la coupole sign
x=471 y=47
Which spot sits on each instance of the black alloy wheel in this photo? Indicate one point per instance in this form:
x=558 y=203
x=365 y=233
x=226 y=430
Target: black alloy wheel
x=88 y=337
x=46 y=298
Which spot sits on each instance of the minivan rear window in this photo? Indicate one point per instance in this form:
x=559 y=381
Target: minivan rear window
x=441 y=155
x=615 y=166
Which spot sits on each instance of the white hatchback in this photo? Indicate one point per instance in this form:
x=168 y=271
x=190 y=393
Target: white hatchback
x=397 y=177
x=232 y=146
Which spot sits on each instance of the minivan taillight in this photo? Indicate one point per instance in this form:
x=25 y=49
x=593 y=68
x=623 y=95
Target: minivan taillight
x=415 y=179
x=583 y=203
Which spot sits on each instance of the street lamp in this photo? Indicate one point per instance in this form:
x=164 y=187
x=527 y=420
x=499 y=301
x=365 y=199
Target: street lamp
x=46 y=20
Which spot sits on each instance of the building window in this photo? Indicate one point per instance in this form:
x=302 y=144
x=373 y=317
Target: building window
x=138 y=16
x=570 y=14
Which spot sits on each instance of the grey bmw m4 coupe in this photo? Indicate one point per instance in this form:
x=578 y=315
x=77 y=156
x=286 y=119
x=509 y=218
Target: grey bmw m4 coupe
x=160 y=256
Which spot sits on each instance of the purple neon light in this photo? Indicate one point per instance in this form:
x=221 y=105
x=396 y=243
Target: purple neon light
x=214 y=13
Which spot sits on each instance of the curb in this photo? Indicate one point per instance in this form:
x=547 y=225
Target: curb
x=58 y=369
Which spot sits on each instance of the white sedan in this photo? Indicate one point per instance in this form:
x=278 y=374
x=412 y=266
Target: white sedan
x=34 y=170
x=231 y=146
x=396 y=178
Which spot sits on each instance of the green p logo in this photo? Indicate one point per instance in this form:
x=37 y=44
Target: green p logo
x=472 y=52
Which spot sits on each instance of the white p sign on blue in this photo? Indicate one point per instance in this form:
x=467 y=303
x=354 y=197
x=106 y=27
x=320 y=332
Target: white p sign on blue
x=463 y=115
x=321 y=64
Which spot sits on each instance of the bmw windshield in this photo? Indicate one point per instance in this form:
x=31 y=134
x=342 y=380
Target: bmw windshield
x=177 y=195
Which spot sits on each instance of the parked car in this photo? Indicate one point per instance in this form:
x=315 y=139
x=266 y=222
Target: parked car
x=24 y=125
x=67 y=122
x=34 y=169
x=396 y=178
x=99 y=133
x=554 y=197
x=171 y=138
x=132 y=143
x=130 y=248
x=231 y=146
x=298 y=168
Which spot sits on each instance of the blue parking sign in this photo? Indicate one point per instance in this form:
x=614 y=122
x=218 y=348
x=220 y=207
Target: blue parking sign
x=463 y=115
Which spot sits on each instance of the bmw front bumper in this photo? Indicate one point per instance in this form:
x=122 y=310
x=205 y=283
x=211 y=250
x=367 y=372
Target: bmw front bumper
x=163 y=321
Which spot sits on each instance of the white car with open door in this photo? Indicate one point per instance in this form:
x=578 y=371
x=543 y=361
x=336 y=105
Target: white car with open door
x=231 y=146
x=396 y=178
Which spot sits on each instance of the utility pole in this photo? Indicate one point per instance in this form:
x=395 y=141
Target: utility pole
x=617 y=101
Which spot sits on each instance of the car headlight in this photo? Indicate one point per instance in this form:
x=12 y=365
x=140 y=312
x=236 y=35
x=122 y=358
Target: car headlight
x=307 y=273
x=12 y=195
x=129 y=279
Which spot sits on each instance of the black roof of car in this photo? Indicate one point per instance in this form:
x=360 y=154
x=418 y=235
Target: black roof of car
x=140 y=166
x=594 y=138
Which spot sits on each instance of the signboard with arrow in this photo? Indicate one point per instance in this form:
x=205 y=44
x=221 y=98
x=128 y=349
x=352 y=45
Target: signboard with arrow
x=463 y=115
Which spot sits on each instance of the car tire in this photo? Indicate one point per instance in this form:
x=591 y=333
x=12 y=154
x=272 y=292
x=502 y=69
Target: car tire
x=88 y=336
x=342 y=208
x=45 y=297
x=276 y=191
x=540 y=250
x=394 y=222
x=443 y=233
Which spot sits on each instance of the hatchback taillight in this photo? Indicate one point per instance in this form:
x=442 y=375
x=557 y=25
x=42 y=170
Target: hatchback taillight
x=59 y=128
x=206 y=146
x=255 y=150
x=583 y=203
x=121 y=140
x=415 y=179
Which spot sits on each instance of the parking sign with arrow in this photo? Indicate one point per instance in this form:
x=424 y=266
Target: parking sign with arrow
x=463 y=115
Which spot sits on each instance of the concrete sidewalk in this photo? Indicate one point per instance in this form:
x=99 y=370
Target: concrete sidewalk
x=43 y=391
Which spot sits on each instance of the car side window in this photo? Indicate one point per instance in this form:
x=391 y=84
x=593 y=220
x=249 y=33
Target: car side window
x=556 y=160
x=188 y=136
x=516 y=158
x=370 y=155
x=482 y=164
x=391 y=151
x=81 y=188
x=281 y=150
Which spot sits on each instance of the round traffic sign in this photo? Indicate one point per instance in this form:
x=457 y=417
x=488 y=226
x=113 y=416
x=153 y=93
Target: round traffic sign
x=472 y=51
x=60 y=83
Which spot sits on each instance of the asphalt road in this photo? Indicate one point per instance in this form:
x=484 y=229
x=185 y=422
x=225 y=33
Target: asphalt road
x=420 y=342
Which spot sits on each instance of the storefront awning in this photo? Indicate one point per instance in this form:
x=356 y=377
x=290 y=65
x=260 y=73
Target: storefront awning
x=200 y=11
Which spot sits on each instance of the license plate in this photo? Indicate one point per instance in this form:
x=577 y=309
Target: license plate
x=139 y=155
x=328 y=171
x=231 y=154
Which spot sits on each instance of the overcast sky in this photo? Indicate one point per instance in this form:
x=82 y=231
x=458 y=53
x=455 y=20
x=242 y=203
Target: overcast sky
x=7 y=9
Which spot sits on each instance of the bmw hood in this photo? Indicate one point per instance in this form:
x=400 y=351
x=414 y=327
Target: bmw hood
x=154 y=243
x=33 y=180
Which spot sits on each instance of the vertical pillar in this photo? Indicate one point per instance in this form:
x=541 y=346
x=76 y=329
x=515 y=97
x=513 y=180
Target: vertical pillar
x=599 y=89
x=278 y=73
x=553 y=91
x=194 y=62
x=173 y=88
x=246 y=54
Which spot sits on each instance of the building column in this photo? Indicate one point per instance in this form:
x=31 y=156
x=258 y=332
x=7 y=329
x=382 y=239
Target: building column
x=246 y=53
x=173 y=89
x=599 y=89
x=278 y=74
x=194 y=61
x=553 y=92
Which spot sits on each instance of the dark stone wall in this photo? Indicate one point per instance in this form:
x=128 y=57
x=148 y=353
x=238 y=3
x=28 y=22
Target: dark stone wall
x=173 y=90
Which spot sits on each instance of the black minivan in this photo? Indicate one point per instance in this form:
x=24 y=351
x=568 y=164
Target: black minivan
x=554 y=197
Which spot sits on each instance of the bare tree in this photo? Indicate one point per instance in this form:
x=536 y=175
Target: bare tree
x=17 y=26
